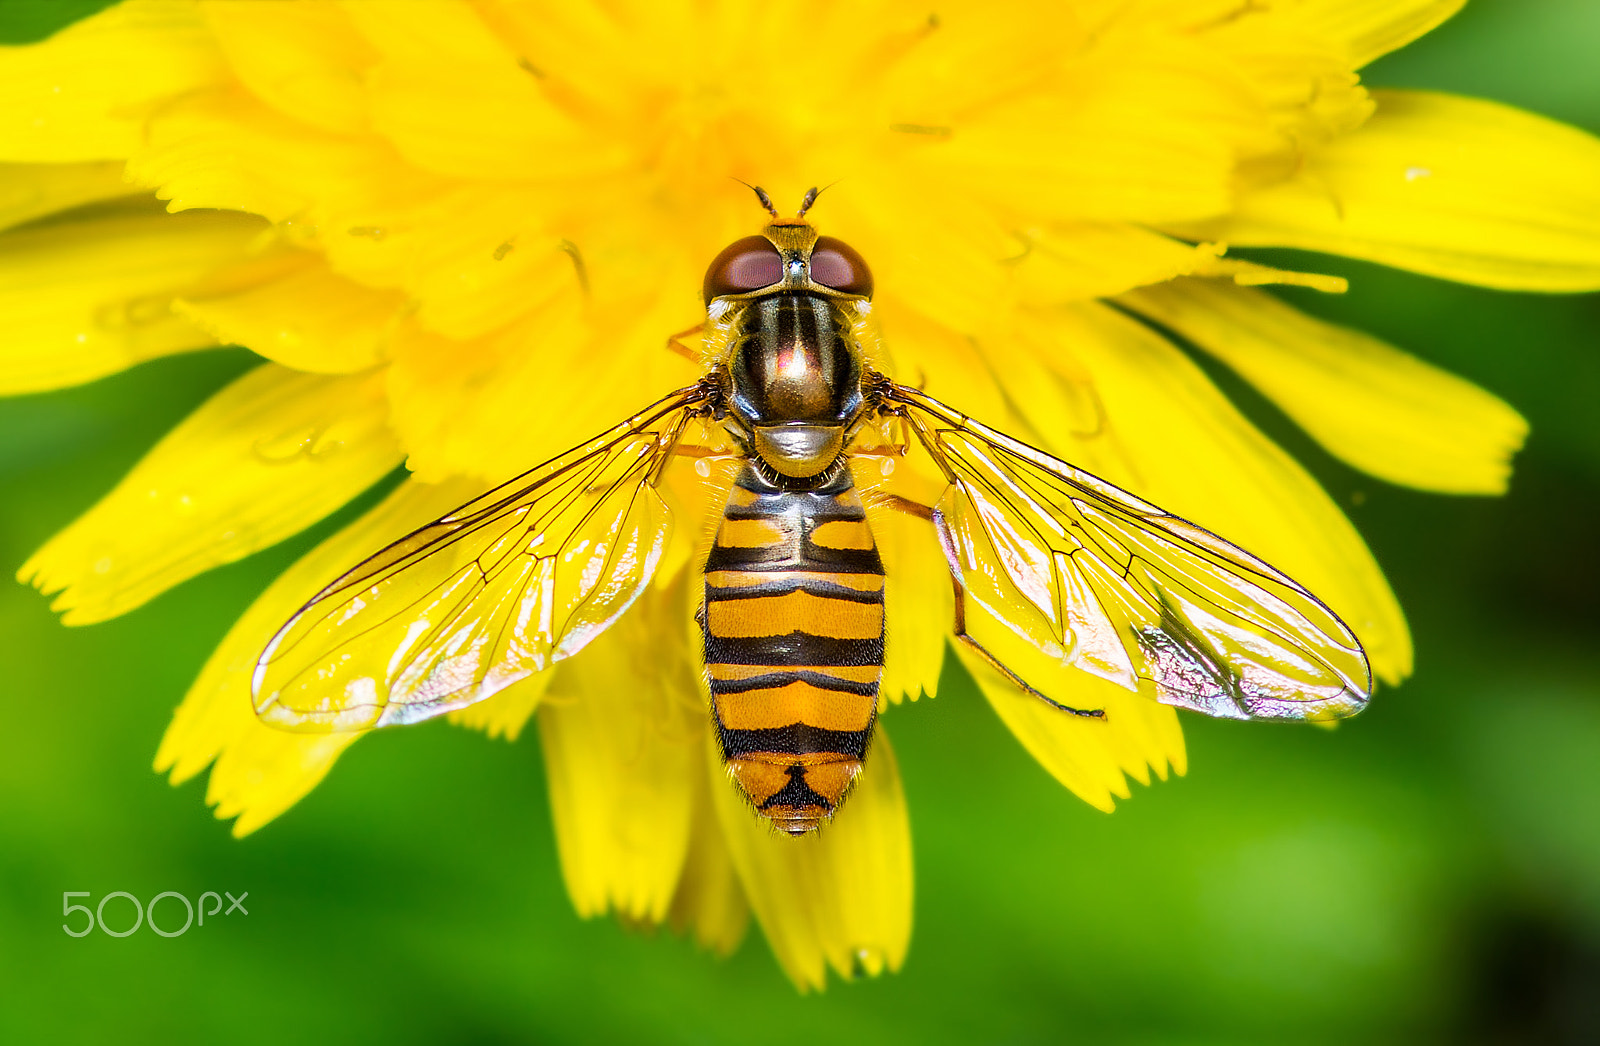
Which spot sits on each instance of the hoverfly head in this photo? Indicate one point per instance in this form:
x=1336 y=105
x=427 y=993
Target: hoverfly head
x=787 y=256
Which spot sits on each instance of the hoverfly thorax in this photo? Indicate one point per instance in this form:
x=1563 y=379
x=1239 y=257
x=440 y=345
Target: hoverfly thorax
x=793 y=370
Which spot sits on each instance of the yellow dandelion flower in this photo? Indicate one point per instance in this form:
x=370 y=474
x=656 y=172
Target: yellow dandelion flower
x=460 y=233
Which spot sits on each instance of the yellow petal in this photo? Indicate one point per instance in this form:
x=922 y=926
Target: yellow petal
x=696 y=503
x=507 y=712
x=473 y=274
x=305 y=317
x=259 y=771
x=226 y=149
x=1300 y=57
x=305 y=60
x=33 y=190
x=622 y=724
x=1067 y=113
x=92 y=294
x=1081 y=262
x=710 y=903
x=1380 y=409
x=263 y=459
x=85 y=93
x=1138 y=128
x=482 y=406
x=981 y=266
x=1452 y=187
x=451 y=96
x=917 y=597
x=1366 y=28
x=888 y=222
x=1304 y=83
x=1252 y=274
x=838 y=897
x=1168 y=435
x=478 y=257
x=1089 y=756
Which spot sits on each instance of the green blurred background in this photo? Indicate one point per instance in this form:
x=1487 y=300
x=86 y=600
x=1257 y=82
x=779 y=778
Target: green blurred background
x=1428 y=873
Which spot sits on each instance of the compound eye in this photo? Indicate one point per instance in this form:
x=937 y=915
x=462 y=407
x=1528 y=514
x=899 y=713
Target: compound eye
x=836 y=264
x=743 y=266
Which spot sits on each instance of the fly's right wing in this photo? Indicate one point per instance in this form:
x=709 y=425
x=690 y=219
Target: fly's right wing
x=1108 y=582
x=506 y=585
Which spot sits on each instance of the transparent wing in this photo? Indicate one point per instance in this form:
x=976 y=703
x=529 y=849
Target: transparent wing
x=504 y=586
x=1115 y=586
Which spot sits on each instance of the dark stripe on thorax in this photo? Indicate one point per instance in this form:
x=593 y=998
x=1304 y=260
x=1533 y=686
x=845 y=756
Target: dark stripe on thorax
x=784 y=319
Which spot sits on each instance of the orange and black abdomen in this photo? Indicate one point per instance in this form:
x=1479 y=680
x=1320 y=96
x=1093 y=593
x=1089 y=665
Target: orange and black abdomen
x=793 y=625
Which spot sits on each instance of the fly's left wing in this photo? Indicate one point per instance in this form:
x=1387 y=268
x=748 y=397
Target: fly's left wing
x=1109 y=583
x=469 y=604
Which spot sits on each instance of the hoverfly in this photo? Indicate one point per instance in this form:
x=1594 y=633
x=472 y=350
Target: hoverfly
x=792 y=614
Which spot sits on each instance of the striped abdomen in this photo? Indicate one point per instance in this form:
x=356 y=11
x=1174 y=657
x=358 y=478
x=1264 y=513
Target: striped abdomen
x=793 y=625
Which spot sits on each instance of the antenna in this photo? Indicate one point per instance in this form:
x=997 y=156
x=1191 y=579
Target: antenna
x=761 y=194
x=810 y=198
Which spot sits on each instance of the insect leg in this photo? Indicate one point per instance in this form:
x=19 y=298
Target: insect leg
x=999 y=666
x=930 y=443
x=674 y=345
x=906 y=505
x=695 y=450
x=888 y=449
